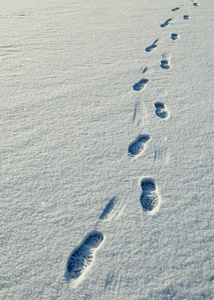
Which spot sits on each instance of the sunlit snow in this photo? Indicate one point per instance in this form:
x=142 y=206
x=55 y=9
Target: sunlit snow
x=107 y=149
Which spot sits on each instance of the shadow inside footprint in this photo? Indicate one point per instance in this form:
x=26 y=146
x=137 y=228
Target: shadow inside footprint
x=138 y=145
x=196 y=4
x=140 y=85
x=81 y=258
x=161 y=111
x=149 y=198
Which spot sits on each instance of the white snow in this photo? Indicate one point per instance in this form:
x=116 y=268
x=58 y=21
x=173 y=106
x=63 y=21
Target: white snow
x=69 y=114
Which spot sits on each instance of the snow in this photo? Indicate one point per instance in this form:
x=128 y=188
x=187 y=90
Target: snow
x=70 y=114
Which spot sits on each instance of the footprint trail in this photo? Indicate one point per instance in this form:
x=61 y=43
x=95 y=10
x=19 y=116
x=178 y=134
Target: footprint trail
x=137 y=147
x=81 y=258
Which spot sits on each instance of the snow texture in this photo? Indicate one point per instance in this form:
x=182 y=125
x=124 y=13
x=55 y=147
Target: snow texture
x=107 y=149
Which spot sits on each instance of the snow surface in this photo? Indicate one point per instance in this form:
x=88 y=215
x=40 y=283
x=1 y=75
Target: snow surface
x=69 y=115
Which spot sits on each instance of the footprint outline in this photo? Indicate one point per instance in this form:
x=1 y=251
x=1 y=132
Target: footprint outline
x=137 y=147
x=152 y=47
x=81 y=258
x=166 y=23
x=174 y=36
x=150 y=199
x=161 y=110
x=165 y=62
x=140 y=85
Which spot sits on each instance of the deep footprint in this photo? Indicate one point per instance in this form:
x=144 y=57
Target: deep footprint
x=196 y=4
x=161 y=110
x=165 y=64
x=152 y=47
x=149 y=198
x=138 y=146
x=166 y=23
x=186 y=17
x=174 y=36
x=82 y=257
x=176 y=8
x=140 y=85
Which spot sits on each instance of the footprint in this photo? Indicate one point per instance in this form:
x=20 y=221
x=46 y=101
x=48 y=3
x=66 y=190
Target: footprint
x=161 y=110
x=149 y=199
x=145 y=70
x=195 y=3
x=165 y=63
x=81 y=258
x=138 y=146
x=174 y=36
x=176 y=8
x=166 y=23
x=186 y=17
x=140 y=85
x=152 y=47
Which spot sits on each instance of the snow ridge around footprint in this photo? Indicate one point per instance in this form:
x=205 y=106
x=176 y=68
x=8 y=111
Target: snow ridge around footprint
x=81 y=258
x=150 y=199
